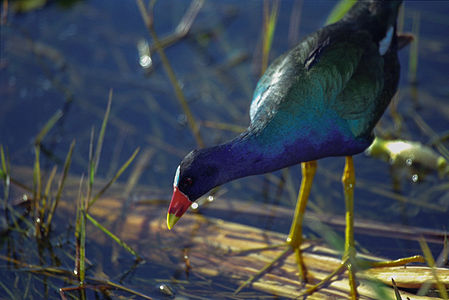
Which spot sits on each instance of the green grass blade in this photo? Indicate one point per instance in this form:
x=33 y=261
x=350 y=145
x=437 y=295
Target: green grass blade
x=49 y=125
x=102 y=132
x=95 y=158
x=4 y=174
x=36 y=188
x=117 y=175
x=68 y=161
x=113 y=236
x=4 y=168
x=82 y=274
x=431 y=263
x=380 y=290
x=339 y=10
x=36 y=176
x=47 y=193
x=79 y=233
x=91 y=166
x=269 y=28
x=37 y=185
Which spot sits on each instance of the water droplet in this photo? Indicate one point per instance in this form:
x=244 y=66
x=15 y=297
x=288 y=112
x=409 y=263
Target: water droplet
x=415 y=177
x=409 y=162
x=166 y=290
x=210 y=198
x=75 y=272
x=145 y=61
x=194 y=206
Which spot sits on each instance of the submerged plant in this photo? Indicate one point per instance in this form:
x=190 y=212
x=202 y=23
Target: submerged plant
x=43 y=208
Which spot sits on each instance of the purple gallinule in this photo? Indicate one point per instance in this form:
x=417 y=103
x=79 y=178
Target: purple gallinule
x=320 y=99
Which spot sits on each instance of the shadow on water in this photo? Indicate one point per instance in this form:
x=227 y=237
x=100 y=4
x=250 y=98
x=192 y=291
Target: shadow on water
x=66 y=56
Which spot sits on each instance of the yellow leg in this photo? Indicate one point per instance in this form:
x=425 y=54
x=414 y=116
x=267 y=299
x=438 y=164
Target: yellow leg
x=294 y=238
x=348 y=180
x=348 y=260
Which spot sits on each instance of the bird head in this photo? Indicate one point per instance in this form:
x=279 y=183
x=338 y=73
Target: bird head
x=195 y=176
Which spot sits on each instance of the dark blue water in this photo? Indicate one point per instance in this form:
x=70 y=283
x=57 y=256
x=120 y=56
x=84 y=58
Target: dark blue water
x=60 y=58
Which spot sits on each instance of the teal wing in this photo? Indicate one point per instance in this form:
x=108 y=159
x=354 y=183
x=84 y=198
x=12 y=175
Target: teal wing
x=352 y=77
x=361 y=102
x=340 y=70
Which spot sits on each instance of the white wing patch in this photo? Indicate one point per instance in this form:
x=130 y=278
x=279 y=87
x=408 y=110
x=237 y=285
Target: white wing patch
x=384 y=44
x=176 y=181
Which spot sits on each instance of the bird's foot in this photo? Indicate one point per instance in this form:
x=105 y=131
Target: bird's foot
x=396 y=263
x=283 y=255
x=352 y=264
x=345 y=265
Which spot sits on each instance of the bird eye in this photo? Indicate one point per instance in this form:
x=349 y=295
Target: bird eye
x=188 y=181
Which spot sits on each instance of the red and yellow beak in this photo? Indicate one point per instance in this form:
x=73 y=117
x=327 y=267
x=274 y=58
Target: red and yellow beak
x=178 y=206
